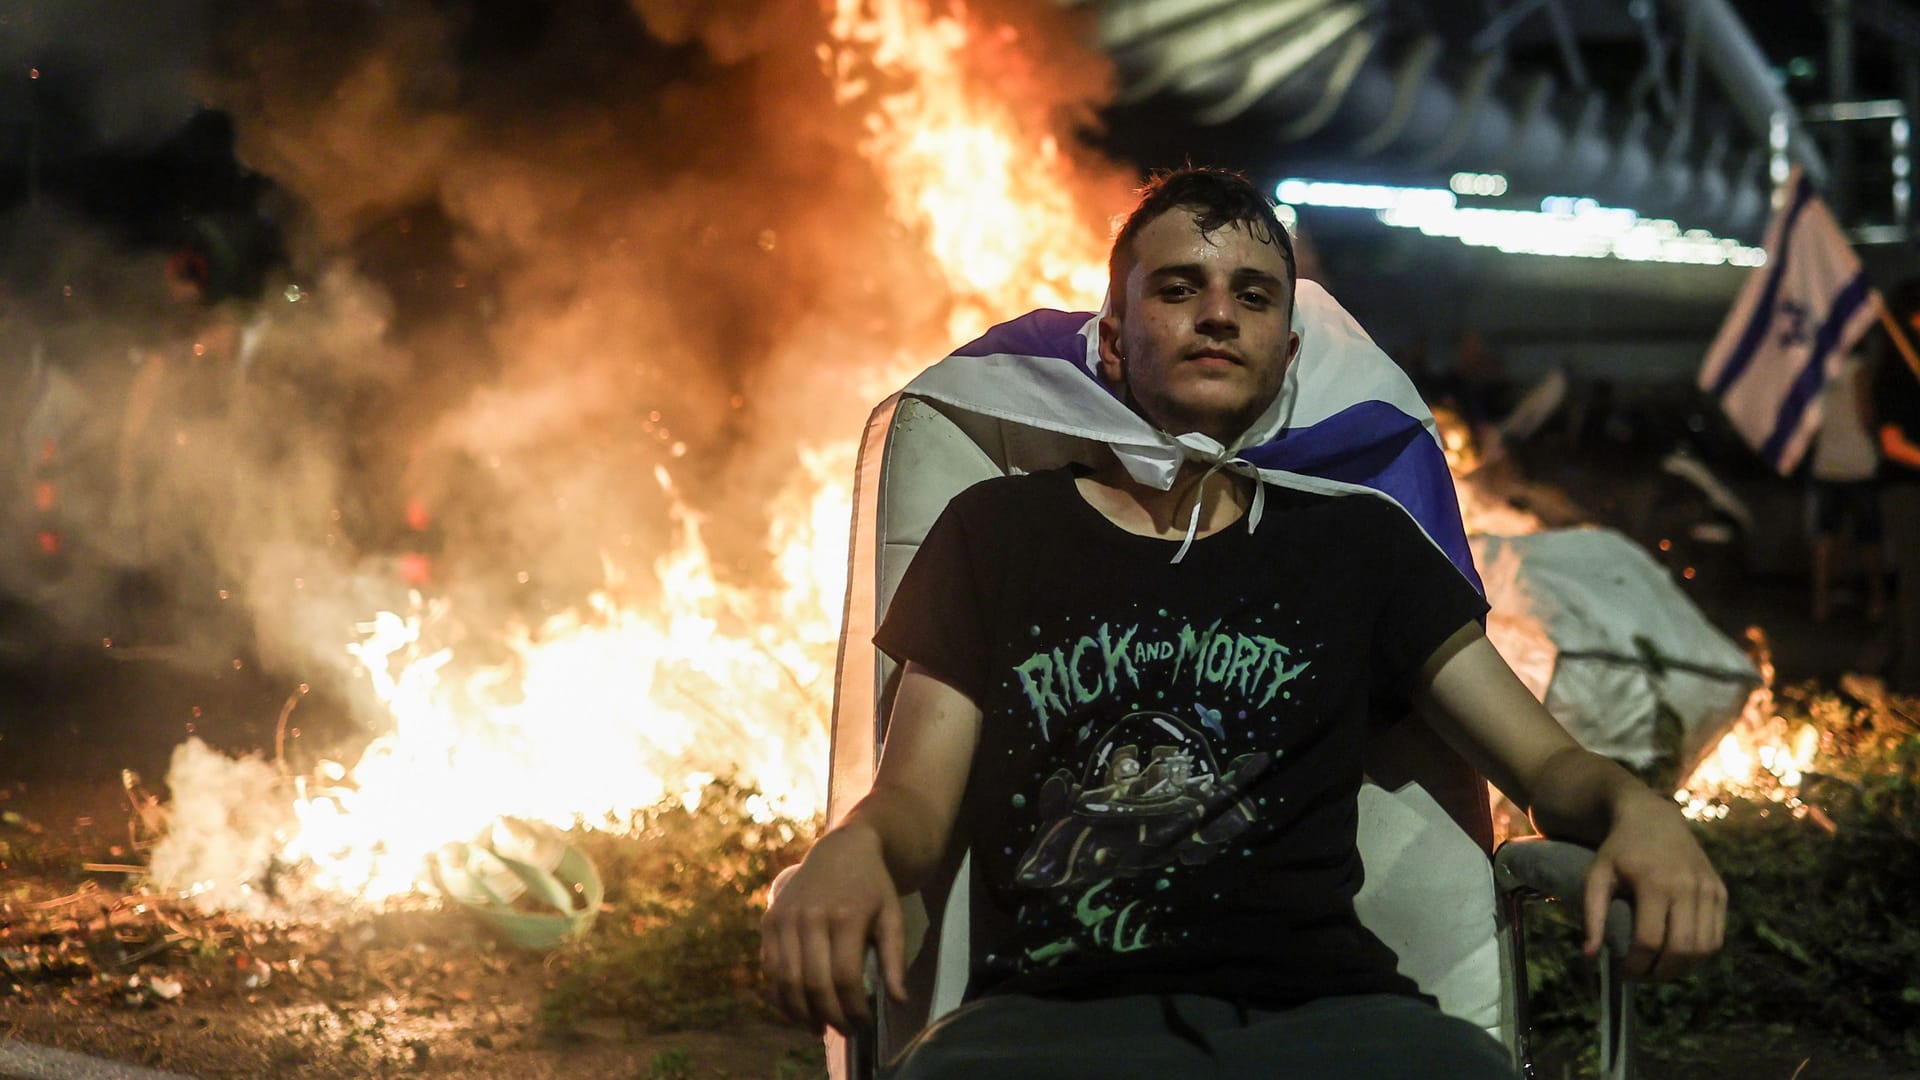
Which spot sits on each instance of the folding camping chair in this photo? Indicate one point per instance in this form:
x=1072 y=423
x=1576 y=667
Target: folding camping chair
x=1452 y=915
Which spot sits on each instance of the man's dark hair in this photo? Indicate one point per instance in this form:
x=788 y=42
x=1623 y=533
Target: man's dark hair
x=1217 y=198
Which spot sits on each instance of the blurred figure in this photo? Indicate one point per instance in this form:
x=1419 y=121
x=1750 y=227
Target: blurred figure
x=1843 y=492
x=172 y=468
x=186 y=374
x=1481 y=379
x=1896 y=410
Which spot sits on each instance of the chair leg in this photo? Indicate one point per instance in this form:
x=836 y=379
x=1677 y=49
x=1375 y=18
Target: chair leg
x=851 y=1059
x=862 y=1061
x=1520 y=1037
x=1616 y=1022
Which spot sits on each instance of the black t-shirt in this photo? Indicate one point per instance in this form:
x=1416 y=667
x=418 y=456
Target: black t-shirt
x=1163 y=798
x=1896 y=401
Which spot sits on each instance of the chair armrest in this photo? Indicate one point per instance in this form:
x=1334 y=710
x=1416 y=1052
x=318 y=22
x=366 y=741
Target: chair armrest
x=1557 y=870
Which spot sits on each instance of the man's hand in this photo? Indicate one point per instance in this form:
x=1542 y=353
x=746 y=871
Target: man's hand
x=1476 y=702
x=1897 y=447
x=1679 y=902
x=813 y=939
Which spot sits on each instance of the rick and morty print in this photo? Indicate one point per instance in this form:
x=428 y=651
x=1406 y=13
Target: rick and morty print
x=1152 y=736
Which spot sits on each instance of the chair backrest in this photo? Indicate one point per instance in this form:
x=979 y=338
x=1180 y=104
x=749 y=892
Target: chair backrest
x=1424 y=828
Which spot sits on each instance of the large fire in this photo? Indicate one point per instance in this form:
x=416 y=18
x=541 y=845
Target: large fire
x=612 y=708
x=602 y=712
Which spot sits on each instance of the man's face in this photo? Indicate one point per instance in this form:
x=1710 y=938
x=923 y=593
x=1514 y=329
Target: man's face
x=1206 y=337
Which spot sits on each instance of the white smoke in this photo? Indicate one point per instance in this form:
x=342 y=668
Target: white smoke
x=227 y=819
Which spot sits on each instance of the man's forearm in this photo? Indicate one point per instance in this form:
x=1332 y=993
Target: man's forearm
x=1579 y=795
x=901 y=825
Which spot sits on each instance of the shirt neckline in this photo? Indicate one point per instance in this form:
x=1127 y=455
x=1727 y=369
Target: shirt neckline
x=1094 y=520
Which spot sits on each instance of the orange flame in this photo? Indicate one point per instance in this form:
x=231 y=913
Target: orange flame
x=1762 y=757
x=992 y=198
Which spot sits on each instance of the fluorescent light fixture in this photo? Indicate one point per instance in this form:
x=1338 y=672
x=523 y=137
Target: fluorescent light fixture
x=1564 y=226
x=1476 y=183
x=1295 y=192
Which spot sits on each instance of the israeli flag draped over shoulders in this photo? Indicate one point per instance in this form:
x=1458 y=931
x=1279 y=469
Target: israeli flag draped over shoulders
x=1346 y=421
x=1793 y=323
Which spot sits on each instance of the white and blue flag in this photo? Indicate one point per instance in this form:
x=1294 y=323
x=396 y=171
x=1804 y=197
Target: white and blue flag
x=1347 y=419
x=1794 y=321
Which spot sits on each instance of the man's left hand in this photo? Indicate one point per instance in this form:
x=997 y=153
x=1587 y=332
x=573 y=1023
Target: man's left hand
x=1679 y=902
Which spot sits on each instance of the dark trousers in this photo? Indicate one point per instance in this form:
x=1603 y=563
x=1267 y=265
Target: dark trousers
x=1179 y=1036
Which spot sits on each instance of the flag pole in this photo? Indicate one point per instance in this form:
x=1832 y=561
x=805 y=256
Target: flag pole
x=1898 y=334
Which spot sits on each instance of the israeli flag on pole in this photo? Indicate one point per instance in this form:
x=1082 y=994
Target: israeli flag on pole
x=1792 y=324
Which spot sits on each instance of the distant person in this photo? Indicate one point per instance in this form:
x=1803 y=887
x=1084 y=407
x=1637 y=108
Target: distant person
x=169 y=454
x=1587 y=415
x=185 y=374
x=1896 y=409
x=1844 y=492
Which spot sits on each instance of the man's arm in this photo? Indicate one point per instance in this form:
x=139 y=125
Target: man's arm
x=1476 y=702
x=813 y=939
x=1896 y=447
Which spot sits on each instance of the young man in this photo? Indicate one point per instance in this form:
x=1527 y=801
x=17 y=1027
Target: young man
x=1149 y=709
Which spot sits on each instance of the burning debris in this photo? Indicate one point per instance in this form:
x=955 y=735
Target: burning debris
x=1782 y=747
x=225 y=993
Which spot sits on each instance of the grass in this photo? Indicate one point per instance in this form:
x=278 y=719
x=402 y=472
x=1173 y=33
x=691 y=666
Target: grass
x=680 y=947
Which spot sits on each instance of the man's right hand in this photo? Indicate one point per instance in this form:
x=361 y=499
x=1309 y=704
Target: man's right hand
x=814 y=936
x=813 y=940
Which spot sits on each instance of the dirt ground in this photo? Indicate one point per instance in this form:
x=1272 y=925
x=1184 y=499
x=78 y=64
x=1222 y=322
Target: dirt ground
x=88 y=965
x=312 y=1042
x=91 y=965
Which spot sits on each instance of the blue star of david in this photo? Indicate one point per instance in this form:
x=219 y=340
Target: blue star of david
x=1795 y=316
